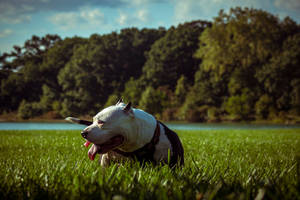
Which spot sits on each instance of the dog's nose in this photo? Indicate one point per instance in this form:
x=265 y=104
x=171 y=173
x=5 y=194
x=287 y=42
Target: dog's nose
x=84 y=134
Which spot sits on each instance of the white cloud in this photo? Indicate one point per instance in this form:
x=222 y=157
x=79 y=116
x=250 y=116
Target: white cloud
x=83 y=18
x=139 y=17
x=9 y=15
x=66 y=20
x=139 y=14
x=123 y=19
x=14 y=20
x=207 y=9
x=92 y=16
x=143 y=15
x=18 y=11
x=142 y=2
x=193 y=9
x=293 y=5
x=5 y=33
x=139 y=2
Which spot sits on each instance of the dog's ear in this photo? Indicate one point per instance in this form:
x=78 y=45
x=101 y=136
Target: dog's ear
x=120 y=101
x=127 y=109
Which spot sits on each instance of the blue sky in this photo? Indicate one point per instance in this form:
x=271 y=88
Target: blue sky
x=20 y=19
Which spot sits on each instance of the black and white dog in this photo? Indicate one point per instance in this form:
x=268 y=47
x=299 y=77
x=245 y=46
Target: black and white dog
x=120 y=132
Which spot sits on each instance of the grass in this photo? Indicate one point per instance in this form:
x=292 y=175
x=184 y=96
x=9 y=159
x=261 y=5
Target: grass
x=222 y=164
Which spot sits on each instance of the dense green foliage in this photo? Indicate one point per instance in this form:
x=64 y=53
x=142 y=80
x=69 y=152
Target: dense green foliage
x=223 y=164
x=244 y=65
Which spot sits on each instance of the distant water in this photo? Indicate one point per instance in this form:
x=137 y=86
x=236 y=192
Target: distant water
x=175 y=126
x=39 y=126
x=229 y=126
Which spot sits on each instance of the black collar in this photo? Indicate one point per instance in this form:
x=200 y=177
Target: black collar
x=146 y=152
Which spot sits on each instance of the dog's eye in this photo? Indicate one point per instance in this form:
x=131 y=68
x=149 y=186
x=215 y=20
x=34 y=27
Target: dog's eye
x=100 y=123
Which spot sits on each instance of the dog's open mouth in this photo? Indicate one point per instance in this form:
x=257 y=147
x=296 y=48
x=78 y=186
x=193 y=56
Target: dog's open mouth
x=105 y=147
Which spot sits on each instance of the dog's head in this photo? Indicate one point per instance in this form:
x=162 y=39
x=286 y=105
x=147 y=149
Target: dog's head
x=109 y=129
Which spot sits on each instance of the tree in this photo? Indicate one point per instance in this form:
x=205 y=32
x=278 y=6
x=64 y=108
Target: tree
x=238 y=106
x=102 y=67
x=32 y=51
x=112 y=100
x=20 y=69
x=28 y=110
x=181 y=90
x=243 y=51
x=56 y=59
x=153 y=100
x=278 y=76
x=263 y=106
x=133 y=91
x=172 y=55
x=244 y=63
x=238 y=44
x=295 y=97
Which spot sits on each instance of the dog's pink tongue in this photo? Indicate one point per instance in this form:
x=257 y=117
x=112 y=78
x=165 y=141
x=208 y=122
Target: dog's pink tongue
x=92 y=152
x=87 y=143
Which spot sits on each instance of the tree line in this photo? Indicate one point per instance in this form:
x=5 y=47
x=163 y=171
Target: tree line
x=244 y=65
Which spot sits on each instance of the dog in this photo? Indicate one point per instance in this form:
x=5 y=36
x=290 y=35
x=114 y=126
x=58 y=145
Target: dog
x=121 y=132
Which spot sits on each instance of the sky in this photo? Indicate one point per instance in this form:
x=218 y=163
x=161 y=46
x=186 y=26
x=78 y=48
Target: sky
x=20 y=19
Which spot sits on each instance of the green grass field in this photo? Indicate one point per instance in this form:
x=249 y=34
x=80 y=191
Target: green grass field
x=225 y=164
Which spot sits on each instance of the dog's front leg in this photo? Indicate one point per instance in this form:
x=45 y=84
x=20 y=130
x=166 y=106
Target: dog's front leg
x=104 y=160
